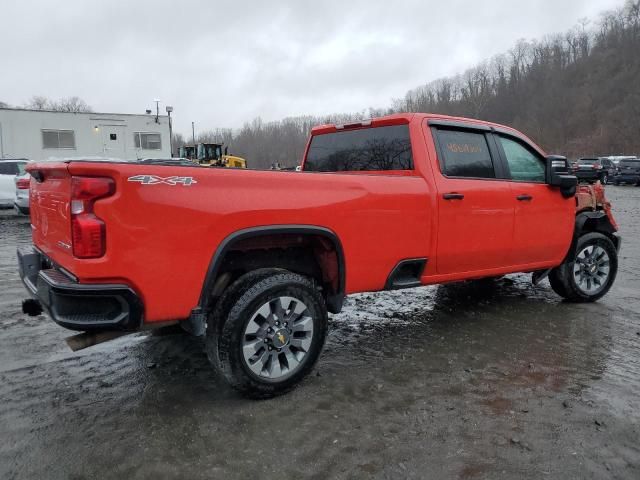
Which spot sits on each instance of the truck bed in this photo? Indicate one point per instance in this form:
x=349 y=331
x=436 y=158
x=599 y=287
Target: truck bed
x=164 y=223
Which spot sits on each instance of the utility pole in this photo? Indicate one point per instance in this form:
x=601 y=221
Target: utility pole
x=169 y=110
x=193 y=133
x=157 y=100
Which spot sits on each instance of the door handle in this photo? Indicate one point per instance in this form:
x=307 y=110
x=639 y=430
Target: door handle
x=524 y=198
x=453 y=196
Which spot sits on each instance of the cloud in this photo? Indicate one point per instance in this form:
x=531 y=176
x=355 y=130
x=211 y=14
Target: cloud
x=221 y=63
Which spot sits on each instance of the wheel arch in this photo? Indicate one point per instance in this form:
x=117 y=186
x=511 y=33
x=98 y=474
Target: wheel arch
x=334 y=299
x=590 y=222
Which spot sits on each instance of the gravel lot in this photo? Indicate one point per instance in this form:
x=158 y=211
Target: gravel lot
x=457 y=381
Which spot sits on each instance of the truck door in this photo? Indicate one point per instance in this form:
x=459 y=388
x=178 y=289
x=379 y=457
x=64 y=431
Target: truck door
x=475 y=211
x=544 y=220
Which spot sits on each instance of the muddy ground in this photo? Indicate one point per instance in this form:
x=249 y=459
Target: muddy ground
x=455 y=381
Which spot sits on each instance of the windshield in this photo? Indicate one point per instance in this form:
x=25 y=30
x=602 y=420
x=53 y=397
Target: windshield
x=587 y=161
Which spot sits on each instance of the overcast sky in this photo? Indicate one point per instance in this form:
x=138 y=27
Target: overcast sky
x=221 y=63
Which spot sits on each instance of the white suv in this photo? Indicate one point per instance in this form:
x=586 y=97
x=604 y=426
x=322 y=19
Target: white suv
x=9 y=169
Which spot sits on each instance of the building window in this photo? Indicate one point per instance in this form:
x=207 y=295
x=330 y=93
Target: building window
x=58 y=139
x=147 y=141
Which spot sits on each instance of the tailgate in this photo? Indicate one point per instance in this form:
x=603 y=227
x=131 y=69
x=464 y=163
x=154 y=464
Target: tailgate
x=50 y=194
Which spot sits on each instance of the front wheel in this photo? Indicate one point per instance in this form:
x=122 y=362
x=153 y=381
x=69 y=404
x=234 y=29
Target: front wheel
x=590 y=272
x=268 y=332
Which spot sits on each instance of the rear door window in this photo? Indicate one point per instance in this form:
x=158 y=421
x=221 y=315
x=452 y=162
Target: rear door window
x=524 y=164
x=465 y=154
x=368 y=149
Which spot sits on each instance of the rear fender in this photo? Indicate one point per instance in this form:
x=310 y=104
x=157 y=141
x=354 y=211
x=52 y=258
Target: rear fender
x=334 y=300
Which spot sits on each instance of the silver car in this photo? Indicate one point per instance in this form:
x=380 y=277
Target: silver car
x=9 y=169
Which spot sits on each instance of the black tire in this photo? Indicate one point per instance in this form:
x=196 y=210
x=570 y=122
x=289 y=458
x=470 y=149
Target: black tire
x=216 y=319
x=556 y=283
x=235 y=309
x=616 y=183
x=562 y=278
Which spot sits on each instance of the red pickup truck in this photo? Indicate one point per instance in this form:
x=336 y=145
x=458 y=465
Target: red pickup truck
x=253 y=260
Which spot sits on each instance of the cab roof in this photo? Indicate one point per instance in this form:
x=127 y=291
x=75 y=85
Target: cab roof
x=403 y=118
x=406 y=118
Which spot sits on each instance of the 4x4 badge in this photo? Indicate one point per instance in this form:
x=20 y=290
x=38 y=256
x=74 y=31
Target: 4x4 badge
x=155 y=180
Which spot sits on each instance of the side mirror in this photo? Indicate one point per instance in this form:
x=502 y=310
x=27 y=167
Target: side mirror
x=557 y=175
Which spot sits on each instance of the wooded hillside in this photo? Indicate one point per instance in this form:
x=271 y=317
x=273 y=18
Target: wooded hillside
x=576 y=93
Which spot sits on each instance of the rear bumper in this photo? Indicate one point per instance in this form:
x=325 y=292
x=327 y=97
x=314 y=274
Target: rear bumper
x=21 y=210
x=22 y=199
x=78 y=306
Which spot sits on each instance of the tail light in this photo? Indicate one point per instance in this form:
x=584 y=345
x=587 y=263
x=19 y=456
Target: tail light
x=22 y=184
x=597 y=166
x=88 y=232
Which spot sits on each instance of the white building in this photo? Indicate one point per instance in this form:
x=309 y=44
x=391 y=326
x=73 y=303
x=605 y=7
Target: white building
x=43 y=134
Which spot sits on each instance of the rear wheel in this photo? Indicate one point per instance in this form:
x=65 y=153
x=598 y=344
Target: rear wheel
x=590 y=272
x=268 y=332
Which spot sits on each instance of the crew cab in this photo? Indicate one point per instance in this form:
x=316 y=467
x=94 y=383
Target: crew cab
x=254 y=260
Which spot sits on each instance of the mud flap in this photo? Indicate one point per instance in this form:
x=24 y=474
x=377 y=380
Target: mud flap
x=196 y=324
x=539 y=275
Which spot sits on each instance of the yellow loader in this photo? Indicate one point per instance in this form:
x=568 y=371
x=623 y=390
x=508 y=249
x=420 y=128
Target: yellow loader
x=211 y=154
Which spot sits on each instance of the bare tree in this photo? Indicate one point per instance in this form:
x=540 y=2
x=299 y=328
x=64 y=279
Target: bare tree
x=38 y=102
x=70 y=104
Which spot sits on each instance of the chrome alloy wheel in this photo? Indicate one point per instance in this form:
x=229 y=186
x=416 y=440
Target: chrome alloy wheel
x=277 y=338
x=591 y=269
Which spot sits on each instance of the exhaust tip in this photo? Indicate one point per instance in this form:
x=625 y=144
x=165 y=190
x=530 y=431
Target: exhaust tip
x=31 y=307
